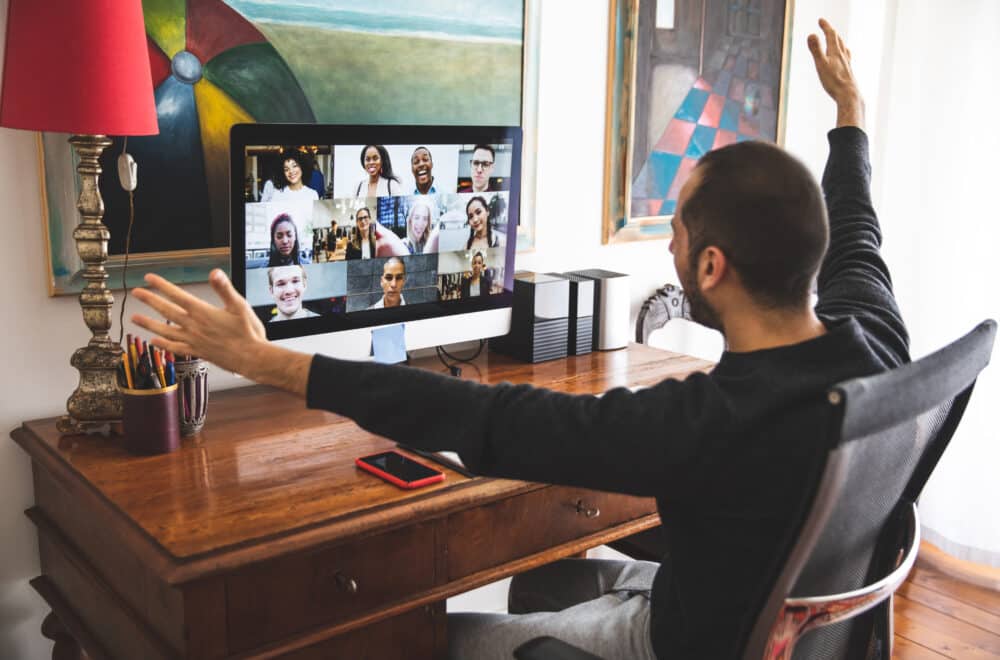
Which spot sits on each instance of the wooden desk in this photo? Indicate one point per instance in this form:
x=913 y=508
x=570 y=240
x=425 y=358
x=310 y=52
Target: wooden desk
x=259 y=537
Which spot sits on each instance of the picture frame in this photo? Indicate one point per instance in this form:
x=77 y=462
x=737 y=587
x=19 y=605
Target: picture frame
x=684 y=77
x=184 y=245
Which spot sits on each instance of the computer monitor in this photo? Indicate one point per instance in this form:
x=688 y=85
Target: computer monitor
x=338 y=229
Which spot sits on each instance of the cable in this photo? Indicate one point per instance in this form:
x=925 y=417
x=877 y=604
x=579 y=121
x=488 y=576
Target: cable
x=128 y=243
x=453 y=367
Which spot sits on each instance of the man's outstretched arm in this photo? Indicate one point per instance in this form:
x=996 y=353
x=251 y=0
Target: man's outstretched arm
x=519 y=432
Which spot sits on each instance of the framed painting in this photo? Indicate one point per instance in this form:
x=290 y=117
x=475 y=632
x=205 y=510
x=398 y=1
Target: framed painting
x=685 y=77
x=219 y=62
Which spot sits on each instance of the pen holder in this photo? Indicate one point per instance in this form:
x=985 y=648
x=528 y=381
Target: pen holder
x=149 y=419
x=192 y=395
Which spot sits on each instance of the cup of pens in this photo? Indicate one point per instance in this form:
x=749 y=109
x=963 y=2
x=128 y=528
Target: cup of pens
x=149 y=398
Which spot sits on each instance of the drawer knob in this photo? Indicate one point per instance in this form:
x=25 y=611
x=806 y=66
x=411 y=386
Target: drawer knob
x=586 y=510
x=349 y=585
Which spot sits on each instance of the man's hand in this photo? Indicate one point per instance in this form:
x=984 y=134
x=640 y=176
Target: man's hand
x=834 y=69
x=387 y=244
x=228 y=336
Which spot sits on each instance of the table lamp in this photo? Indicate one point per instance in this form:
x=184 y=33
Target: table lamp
x=83 y=68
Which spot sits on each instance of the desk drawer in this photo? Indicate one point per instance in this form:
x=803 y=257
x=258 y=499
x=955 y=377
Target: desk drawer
x=274 y=599
x=509 y=529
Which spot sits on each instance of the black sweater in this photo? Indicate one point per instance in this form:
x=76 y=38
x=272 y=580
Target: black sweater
x=728 y=455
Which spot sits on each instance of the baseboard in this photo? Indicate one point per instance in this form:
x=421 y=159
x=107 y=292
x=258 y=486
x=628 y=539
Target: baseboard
x=980 y=575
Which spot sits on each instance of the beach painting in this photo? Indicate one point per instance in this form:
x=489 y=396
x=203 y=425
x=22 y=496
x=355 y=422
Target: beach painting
x=215 y=63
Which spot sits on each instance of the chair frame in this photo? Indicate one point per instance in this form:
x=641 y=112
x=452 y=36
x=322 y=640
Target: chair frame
x=772 y=637
x=800 y=615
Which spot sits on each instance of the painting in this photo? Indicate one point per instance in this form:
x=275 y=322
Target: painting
x=215 y=63
x=685 y=77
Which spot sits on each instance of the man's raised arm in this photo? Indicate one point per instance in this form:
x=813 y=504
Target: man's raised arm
x=853 y=279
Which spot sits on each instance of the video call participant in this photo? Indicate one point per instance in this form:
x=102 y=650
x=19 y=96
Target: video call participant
x=422 y=165
x=480 y=231
x=481 y=169
x=331 y=240
x=729 y=454
x=419 y=222
x=479 y=282
x=290 y=186
x=380 y=182
x=287 y=285
x=362 y=244
x=285 y=249
x=392 y=281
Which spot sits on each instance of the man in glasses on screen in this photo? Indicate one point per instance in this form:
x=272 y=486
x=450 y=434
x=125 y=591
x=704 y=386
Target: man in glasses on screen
x=481 y=168
x=393 y=280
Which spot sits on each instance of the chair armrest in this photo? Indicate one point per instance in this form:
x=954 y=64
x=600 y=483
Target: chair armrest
x=800 y=615
x=550 y=648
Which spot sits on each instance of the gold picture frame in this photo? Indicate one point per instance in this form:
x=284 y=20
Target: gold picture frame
x=660 y=78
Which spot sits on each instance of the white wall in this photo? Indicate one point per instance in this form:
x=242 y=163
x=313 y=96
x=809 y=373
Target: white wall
x=43 y=331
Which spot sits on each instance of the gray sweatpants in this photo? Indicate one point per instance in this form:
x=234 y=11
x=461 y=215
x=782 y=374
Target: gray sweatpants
x=599 y=605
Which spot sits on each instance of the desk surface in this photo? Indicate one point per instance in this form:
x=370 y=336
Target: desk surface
x=264 y=466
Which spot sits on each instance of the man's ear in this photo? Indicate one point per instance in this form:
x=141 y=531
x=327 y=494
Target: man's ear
x=712 y=267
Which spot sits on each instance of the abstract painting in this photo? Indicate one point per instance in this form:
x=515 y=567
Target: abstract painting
x=685 y=77
x=215 y=63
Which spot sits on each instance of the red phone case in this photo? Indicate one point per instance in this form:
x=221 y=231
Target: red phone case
x=393 y=479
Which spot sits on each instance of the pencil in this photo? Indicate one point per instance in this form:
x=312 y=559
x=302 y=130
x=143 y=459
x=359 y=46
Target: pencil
x=128 y=370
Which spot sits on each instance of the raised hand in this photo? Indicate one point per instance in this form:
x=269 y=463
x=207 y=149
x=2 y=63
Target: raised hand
x=834 y=69
x=225 y=335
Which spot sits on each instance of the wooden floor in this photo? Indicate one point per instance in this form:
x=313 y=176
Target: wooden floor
x=940 y=617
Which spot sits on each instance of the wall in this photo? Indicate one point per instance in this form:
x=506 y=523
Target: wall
x=41 y=332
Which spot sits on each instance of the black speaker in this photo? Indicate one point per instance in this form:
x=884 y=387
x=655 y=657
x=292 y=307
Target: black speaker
x=539 y=326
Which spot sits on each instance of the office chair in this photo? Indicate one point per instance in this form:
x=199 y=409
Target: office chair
x=858 y=536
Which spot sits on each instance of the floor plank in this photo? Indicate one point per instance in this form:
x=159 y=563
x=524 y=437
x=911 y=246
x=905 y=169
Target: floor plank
x=904 y=649
x=984 y=599
x=943 y=633
x=953 y=607
x=939 y=616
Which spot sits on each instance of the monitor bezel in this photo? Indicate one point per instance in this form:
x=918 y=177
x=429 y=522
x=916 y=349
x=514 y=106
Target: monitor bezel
x=243 y=135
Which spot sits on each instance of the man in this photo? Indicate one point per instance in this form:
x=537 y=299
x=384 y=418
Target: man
x=331 y=240
x=481 y=167
x=287 y=285
x=729 y=455
x=421 y=164
x=392 y=281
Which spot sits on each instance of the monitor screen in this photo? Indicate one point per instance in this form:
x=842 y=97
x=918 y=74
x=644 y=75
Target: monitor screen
x=339 y=227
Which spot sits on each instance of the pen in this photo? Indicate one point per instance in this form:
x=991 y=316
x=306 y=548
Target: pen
x=158 y=363
x=128 y=371
x=134 y=364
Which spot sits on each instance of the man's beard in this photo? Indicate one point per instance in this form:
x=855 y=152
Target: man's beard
x=701 y=312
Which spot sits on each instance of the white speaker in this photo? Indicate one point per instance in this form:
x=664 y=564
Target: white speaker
x=611 y=308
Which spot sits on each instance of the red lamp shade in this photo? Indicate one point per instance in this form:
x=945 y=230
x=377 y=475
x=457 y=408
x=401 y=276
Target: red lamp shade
x=77 y=66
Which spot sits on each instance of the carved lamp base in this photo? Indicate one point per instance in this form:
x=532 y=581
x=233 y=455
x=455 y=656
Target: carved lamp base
x=96 y=404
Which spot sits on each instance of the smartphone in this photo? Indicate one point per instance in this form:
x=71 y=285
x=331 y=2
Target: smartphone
x=399 y=469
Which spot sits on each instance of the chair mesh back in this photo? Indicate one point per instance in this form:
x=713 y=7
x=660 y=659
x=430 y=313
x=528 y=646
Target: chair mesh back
x=879 y=467
x=890 y=433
